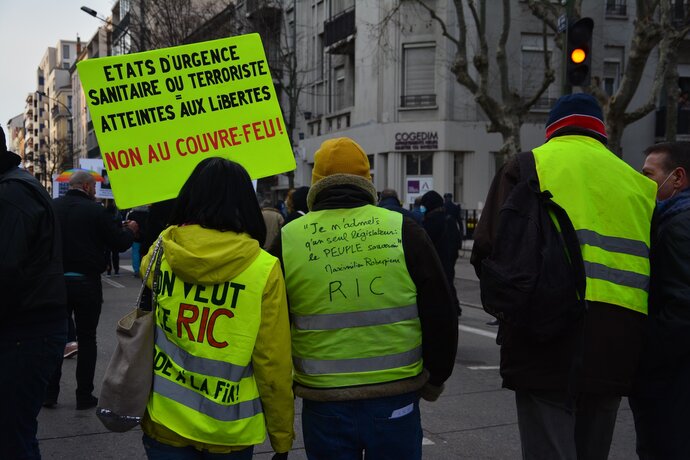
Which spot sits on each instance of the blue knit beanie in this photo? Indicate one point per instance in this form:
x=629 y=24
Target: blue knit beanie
x=578 y=110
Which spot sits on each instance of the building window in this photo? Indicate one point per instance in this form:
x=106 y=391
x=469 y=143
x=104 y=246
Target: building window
x=419 y=86
x=65 y=52
x=338 y=6
x=616 y=7
x=419 y=164
x=533 y=68
x=612 y=76
x=339 y=88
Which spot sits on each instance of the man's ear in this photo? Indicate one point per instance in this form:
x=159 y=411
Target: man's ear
x=683 y=179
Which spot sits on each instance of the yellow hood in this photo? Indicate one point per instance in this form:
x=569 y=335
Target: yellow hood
x=204 y=256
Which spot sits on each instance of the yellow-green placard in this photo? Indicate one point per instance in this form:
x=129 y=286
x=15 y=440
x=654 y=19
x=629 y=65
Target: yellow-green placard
x=158 y=113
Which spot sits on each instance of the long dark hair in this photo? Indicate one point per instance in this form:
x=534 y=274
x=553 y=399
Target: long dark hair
x=219 y=195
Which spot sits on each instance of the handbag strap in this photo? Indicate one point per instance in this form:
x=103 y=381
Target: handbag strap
x=157 y=251
x=156 y=278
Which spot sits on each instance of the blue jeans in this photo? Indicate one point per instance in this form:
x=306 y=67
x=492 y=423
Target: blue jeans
x=379 y=428
x=156 y=450
x=26 y=367
x=136 y=257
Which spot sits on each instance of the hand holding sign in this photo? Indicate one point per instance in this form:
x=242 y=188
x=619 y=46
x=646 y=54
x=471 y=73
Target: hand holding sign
x=158 y=113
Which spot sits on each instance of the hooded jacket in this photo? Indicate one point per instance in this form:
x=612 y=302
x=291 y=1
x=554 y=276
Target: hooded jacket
x=203 y=256
x=434 y=300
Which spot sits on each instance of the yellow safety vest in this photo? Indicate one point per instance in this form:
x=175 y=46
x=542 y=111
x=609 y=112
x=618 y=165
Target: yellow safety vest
x=352 y=301
x=610 y=205
x=203 y=384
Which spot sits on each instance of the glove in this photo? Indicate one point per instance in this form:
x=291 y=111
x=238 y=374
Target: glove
x=431 y=392
x=280 y=456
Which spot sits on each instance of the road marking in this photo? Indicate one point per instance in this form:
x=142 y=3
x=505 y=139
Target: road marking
x=127 y=267
x=483 y=368
x=112 y=283
x=474 y=330
x=427 y=442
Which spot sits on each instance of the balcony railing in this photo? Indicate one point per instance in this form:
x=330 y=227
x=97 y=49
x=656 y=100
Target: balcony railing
x=339 y=27
x=418 y=100
x=616 y=8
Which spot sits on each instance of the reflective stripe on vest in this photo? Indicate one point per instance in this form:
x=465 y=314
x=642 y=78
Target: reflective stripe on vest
x=204 y=387
x=199 y=403
x=352 y=301
x=612 y=217
x=313 y=366
x=191 y=363
x=355 y=319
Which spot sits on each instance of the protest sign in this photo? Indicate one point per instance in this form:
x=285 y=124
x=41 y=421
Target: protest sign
x=158 y=113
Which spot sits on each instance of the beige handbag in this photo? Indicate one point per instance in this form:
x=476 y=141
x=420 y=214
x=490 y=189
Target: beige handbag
x=128 y=378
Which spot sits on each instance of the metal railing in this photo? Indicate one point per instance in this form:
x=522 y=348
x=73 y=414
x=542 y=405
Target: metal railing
x=418 y=100
x=339 y=27
x=616 y=7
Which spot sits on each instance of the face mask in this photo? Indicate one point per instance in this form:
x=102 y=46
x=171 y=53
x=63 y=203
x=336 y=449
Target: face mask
x=664 y=183
x=422 y=209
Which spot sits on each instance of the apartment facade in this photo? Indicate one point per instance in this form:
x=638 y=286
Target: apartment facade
x=15 y=134
x=391 y=89
x=84 y=143
x=48 y=115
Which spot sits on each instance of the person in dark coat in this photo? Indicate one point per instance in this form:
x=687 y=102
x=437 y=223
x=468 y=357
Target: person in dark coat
x=112 y=257
x=389 y=200
x=444 y=233
x=597 y=356
x=33 y=329
x=87 y=228
x=661 y=399
x=297 y=204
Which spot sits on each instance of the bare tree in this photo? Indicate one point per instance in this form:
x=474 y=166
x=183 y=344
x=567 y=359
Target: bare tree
x=505 y=107
x=277 y=26
x=659 y=25
x=162 y=23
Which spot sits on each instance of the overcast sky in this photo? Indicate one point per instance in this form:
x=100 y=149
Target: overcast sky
x=27 y=29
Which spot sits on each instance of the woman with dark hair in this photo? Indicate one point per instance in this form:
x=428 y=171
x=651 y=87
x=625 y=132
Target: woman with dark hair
x=222 y=369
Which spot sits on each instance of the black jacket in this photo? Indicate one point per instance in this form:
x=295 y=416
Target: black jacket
x=393 y=204
x=444 y=233
x=667 y=347
x=31 y=277
x=87 y=229
x=609 y=344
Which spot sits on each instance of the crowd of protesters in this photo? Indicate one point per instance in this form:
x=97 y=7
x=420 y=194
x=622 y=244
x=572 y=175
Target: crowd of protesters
x=359 y=336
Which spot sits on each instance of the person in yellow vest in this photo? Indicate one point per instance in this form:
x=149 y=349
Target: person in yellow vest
x=373 y=323
x=661 y=400
x=568 y=390
x=222 y=369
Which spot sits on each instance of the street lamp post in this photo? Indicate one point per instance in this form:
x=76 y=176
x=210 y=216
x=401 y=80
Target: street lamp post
x=94 y=13
x=70 y=133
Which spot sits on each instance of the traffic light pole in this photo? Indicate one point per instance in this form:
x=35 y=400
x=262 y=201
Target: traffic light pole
x=567 y=87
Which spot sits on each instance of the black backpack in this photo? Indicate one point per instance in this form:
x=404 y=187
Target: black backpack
x=534 y=278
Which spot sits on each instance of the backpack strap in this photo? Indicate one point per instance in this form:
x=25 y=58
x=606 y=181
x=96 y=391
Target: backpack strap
x=528 y=173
